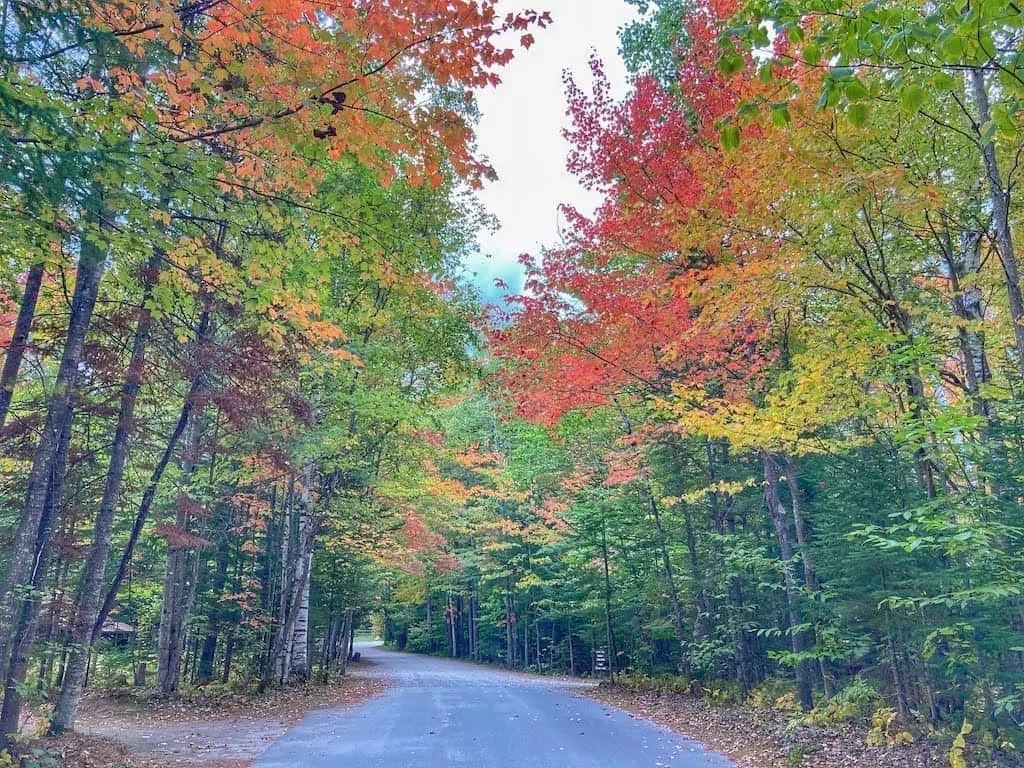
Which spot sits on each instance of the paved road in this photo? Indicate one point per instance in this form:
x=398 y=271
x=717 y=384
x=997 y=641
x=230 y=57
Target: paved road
x=447 y=714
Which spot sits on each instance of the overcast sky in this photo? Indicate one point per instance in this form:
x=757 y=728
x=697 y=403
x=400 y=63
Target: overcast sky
x=521 y=132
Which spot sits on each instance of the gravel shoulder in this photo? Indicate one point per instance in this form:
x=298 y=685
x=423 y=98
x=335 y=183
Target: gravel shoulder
x=227 y=731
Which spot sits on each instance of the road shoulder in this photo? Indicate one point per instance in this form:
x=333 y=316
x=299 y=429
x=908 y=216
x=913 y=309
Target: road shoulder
x=764 y=739
x=210 y=730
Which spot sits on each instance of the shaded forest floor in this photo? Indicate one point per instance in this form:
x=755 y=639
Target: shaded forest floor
x=207 y=729
x=756 y=738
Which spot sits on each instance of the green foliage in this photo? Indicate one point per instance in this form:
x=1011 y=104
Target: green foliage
x=666 y=683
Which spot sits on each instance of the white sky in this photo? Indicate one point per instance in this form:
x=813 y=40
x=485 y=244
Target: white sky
x=520 y=132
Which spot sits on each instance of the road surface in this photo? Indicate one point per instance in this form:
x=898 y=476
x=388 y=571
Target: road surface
x=448 y=714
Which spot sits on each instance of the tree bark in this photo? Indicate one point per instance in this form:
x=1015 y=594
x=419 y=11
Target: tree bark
x=285 y=629
x=19 y=339
x=609 y=632
x=31 y=605
x=176 y=584
x=670 y=581
x=91 y=585
x=451 y=626
x=802 y=538
x=144 y=508
x=964 y=263
x=999 y=198
x=780 y=520
x=299 y=663
x=23 y=550
x=209 y=650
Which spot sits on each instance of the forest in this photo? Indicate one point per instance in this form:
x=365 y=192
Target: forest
x=754 y=429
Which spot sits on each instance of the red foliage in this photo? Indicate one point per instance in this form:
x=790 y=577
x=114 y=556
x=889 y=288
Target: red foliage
x=618 y=311
x=260 y=79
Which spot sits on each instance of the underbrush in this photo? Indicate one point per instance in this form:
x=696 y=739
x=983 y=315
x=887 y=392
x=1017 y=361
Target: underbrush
x=858 y=714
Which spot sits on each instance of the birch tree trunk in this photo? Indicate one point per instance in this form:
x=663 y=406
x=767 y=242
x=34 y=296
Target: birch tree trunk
x=299 y=657
x=281 y=644
x=780 y=519
x=298 y=654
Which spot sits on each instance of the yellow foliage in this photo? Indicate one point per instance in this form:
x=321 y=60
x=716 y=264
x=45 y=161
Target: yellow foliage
x=884 y=731
x=958 y=752
x=832 y=713
x=825 y=385
x=787 y=702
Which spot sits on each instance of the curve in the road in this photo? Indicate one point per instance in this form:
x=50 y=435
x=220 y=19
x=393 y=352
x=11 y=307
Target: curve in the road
x=446 y=714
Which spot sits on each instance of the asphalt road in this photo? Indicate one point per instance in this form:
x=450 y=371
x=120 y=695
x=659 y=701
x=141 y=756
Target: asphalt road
x=440 y=713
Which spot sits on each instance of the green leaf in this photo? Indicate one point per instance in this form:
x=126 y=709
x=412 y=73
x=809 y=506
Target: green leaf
x=730 y=137
x=855 y=90
x=859 y=114
x=781 y=117
x=912 y=99
x=731 y=63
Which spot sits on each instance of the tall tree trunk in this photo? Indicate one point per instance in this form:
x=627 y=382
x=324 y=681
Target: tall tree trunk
x=19 y=339
x=229 y=654
x=451 y=626
x=964 y=263
x=220 y=580
x=299 y=643
x=510 y=648
x=810 y=573
x=800 y=525
x=91 y=585
x=148 y=495
x=181 y=567
x=176 y=583
x=670 y=580
x=52 y=618
x=747 y=674
x=609 y=632
x=287 y=578
x=780 y=519
x=999 y=198
x=58 y=415
x=31 y=605
x=299 y=657
x=473 y=649
x=572 y=658
x=303 y=549
x=345 y=639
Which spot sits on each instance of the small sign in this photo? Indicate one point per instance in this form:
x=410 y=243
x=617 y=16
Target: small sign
x=600 y=660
